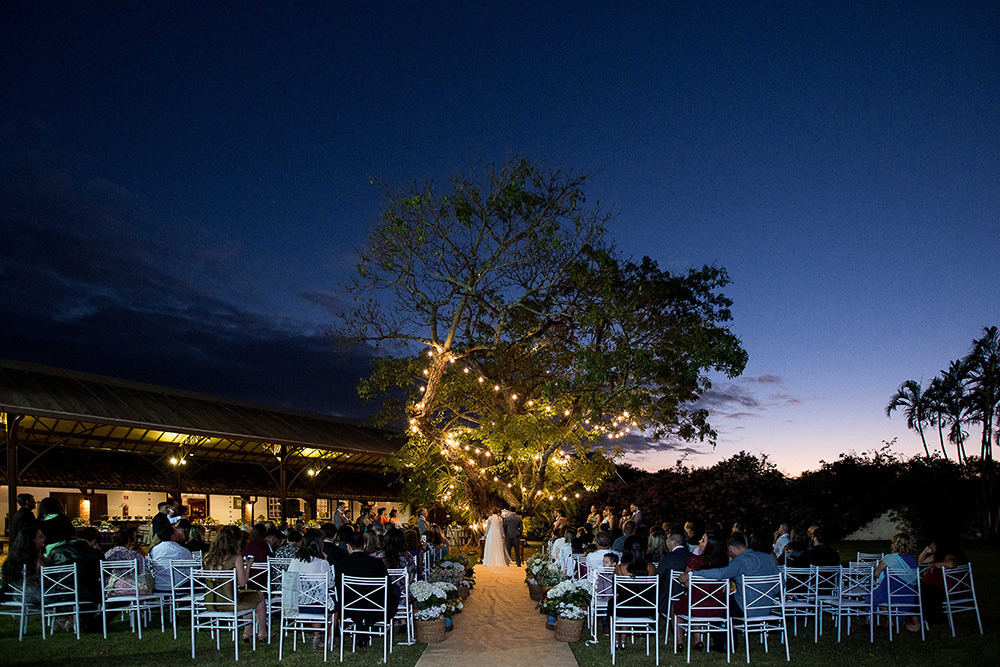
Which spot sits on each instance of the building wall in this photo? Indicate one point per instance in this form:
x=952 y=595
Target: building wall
x=880 y=528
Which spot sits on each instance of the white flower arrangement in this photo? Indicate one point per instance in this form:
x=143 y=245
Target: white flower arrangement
x=570 y=612
x=426 y=594
x=446 y=572
x=430 y=613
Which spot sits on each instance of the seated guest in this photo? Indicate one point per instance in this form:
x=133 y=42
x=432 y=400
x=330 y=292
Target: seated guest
x=85 y=553
x=261 y=548
x=395 y=555
x=224 y=554
x=125 y=548
x=168 y=549
x=633 y=564
x=55 y=525
x=674 y=560
x=901 y=558
x=941 y=553
x=744 y=561
x=196 y=539
x=311 y=560
x=619 y=544
x=562 y=551
x=797 y=543
x=291 y=547
x=596 y=558
x=579 y=540
x=359 y=564
x=818 y=552
x=657 y=545
x=713 y=553
x=781 y=538
x=25 y=550
x=331 y=550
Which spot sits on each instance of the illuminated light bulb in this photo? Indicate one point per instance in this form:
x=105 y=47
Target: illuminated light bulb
x=426 y=372
x=496 y=479
x=184 y=462
x=577 y=495
x=625 y=414
x=423 y=389
x=488 y=455
x=551 y=498
x=430 y=353
x=466 y=448
x=458 y=467
x=481 y=379
x=312 y=472
x=538 y=493
x=420 y=406
x=564 y=497
x=523 y=489
x=566 y=413
x=465 y=370
x=508 y=485
x=496 y=387
x=477 y=450
x=513 y=397
x=174 y=461
x=530 y=403
x=472 y=462
x=482 y=471
x=451 y=486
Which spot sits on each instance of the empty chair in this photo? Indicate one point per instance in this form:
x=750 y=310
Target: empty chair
x=363 y=607
x=707 y=611
x=855 y=600
x=276 y=567
x=959 y=594
x=763 y=610
x=60 y=597
x=799 y=599
x=869 y=558
x=179 y=596
x=825 y=581
x=215 y=606
x=634 y=610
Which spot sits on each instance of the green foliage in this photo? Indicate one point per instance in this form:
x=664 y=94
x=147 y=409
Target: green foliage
x=529 y=346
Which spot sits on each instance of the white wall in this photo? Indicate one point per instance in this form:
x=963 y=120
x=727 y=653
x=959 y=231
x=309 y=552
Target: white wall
x=880 y=528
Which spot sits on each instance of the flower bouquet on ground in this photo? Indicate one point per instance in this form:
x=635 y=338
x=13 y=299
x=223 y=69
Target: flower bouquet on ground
x=543 y=573
x=568 y=599
x=430 y=604
x=451 y=572
x=469 y=578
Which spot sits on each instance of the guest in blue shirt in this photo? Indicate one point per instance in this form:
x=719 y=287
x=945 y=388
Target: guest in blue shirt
x=744 y=561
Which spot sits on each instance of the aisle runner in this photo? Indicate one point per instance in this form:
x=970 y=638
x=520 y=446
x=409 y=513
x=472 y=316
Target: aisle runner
x=499 y=627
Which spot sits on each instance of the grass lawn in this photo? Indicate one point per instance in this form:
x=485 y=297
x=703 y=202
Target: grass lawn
x=967 y=648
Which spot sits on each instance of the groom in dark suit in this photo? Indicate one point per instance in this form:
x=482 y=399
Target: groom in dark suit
x=512 y=529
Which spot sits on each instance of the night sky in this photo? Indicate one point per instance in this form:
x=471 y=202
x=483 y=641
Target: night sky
x=184 y=185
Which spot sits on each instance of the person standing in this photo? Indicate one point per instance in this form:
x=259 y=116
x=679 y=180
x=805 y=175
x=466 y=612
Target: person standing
x=422 y=524
x=24 y=517
x=636 y=517
x=494 y=554
x=339 y=517
x=513 y=528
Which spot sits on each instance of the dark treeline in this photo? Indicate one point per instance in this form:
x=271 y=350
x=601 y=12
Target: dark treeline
x=932 y=495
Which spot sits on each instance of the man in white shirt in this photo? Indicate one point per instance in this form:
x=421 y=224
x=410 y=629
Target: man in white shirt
x=595 y=559
x=167 y=550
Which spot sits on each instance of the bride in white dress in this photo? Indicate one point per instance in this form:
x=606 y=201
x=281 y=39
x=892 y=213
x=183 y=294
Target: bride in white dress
x=494 y=554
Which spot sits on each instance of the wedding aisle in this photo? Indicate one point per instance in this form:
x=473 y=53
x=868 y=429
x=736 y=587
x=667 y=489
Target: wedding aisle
x=499 y=627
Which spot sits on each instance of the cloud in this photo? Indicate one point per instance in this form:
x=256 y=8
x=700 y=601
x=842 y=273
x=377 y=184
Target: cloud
x=85 y=288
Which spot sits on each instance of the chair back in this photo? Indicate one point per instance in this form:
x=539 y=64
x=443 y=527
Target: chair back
x=869 y=558
x=763 y=595
x=856 y=582
x=636 y=595
x=179 y=573
x=400 y=578
x=363 y=596
x=826 y=581
x=675 y=590
x=59 y=585
x=603 y=585
x=798 y=582
x=118 y=579
x=314 y=591
x=257 y=576
x=213 y=590
x=958 y=584
x=707 y=598
x=198 y=556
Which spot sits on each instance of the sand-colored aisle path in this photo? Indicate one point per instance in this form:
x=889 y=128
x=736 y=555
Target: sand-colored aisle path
x=499 y=627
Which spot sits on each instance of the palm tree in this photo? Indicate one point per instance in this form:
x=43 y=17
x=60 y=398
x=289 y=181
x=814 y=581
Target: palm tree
x=937 y=408
x=910 y=396
x=956 y=405
x=982 y=368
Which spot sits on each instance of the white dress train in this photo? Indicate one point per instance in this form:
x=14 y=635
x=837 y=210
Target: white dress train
x=494 y=554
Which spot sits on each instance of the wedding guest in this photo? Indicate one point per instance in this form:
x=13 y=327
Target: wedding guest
x=781 y=538
x=689 y=535
x=595 y=558
x=291 y=547
x=394 y=519
x=126 y=548
x=310 y=560
x=633 y=563
x=594 y=518
x=636 y=516
x=674 y=560
x=560 y=524
x=941 y=553
x=579 y=540
x=713 y=554
x=168 y=549
x=262 y=543
x=381 y=518
x=818 y=552
x=797 y=543
x=422 y=524
x=23 y=566
x=744 y=562
x=900 y=558
x=619 y=544
x=609 y=519
x=196 y=539
x=360 y=564
x=84 y=553
x=331 y=536
x=657 y=545
x=54 y=523
x=395 y=554
x=339 y=516
x=24 y=516
x=224 y=554
x=164 y=512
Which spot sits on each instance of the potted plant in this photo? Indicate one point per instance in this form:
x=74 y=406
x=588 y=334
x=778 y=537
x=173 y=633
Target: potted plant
x=569 y=622
x=542 y=574
x=563 y=598
x=430 y=604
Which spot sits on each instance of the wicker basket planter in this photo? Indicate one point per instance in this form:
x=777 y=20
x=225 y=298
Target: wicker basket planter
x=464 y=592
x=568 y=630
x=534 y=592
x=430 y=632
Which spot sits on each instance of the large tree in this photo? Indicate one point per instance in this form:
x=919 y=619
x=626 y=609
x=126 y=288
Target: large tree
x=527 y=344
x=911 y=397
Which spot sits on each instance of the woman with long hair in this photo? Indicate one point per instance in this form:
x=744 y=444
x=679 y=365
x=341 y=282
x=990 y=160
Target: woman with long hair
x=23 y=566
x=224 y=554
x=310 y=560
x=941 y=553
x=125 y=548
x=54 y=523
x=633 y=564
x=395 y=554
x=712 y=552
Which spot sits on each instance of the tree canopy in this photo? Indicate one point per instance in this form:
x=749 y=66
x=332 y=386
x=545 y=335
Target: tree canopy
x=525 y=344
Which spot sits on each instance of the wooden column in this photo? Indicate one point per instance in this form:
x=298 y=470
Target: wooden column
x=283 y=481
x=12 y=471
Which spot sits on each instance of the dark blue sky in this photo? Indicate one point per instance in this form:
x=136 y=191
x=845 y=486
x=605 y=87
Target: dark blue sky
x=184 y=185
